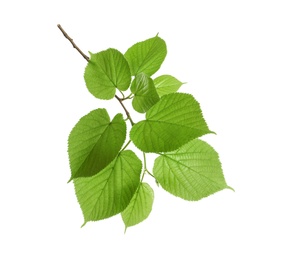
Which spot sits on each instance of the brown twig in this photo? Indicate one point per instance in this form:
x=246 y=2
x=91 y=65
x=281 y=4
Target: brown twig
x=87 y=59
x=127 y=113
x=72 y=42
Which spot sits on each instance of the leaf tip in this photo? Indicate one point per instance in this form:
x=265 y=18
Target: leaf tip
x=230 y=188
x=125 y=230
x=83 y=224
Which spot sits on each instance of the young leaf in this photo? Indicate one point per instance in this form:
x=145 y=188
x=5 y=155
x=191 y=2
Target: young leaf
x=167 y=84
x=170 y=123
x=145 y=94
x=139 y=207
x=109 y=192
x=106 y=71
x=94 y=142
x=192 y=172
x=146 y=56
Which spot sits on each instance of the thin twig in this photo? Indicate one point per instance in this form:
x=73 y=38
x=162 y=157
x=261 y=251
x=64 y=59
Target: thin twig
x=127 y=113
x=87 y=59
x=72 y=42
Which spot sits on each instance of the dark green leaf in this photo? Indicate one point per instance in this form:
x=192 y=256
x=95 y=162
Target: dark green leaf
x=145 y=94
x=170 y=123
x=94 y=142
x=109 y=192
x=146 y=56
x=106 y=71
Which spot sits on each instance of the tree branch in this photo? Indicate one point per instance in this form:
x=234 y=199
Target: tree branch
x=87 y=59
x=72 y=42
x=127 y=113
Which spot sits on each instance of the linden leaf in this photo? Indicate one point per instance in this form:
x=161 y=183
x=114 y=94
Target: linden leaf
x=146 y=56
x=139 y=207
x=145 y=94
x=94 y=142
x=106 y=71
x=192 y=172
x=167 y=84
x=170 y=123
x=110 y=191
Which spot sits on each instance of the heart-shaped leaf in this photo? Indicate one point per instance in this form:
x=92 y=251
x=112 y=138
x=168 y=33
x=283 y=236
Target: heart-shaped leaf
x=94 y=142
x=109 y=192
x=146 y=56
x=106 y=71
x=192 y=172
x=170 y=123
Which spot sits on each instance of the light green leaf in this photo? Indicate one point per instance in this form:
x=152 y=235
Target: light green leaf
x=139 y=207
x=191 y=172
x=94 y=142
x=106 y=71
x=146 y=56
x=170 y=123
x=145 y=94
x=167 y=84
x=109 y=192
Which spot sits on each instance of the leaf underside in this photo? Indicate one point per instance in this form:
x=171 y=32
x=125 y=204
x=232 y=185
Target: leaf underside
x=192 y=172
x=109 y=192
x=170 y=123
x=94 y=142
x=139 y=207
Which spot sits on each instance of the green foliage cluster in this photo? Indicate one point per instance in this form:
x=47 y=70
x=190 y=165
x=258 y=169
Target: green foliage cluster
x=108 y=177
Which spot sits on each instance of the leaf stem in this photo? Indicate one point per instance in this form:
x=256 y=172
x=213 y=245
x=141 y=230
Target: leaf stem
x=150 y=174
x=123 y=98
x=128 y=97
x=126 y=145
x=126 y=111
x=145 y=168
x=72 y=42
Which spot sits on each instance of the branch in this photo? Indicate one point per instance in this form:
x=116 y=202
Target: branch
x=72 y=42
x=127 y=113
x=87 y=59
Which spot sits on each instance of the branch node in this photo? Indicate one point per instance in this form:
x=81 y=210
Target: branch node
x=127 y=113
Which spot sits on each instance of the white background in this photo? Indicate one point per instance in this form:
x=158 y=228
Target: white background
x=234 y=56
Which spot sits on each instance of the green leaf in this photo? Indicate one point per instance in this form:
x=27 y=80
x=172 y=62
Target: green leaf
x=139 y=207
x=109 y=192
x=146 y=56
x=106 y=71
x=94 y=142
x=167 y=84
x=145 y=94
x=191 y=172
x=170 y=123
